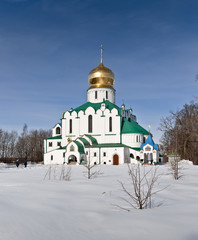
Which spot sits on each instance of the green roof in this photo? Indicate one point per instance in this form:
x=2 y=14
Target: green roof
x=80 y=147
x=96 y=106
x=107 y=145
x=57 y=137
x=132 y=127
x=93 y=140
x=85 y=142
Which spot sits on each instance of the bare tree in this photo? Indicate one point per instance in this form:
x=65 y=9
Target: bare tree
x=142 y=182
x=175 y=168
x=180 y=132
x=89 y=166
x=65 y=173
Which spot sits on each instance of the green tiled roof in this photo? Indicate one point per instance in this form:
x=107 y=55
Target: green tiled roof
x=80 y=147
x=96 y=106
x=85 y=142
x=132 y=127
x=57 y=137
x=93 y=140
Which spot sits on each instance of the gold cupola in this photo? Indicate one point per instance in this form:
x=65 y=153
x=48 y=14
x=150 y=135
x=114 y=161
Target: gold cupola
x=101 y=76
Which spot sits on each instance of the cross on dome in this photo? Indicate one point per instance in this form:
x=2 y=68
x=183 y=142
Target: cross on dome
x=101 y=47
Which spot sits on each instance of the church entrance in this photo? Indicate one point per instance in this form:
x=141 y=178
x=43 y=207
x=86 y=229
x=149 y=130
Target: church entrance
x=72 y=160
x=116 y=159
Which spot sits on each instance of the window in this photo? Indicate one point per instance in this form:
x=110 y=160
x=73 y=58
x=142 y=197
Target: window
x=104 y=154
x=57 y=130
x=144 y=140
x=59 y=144
x=70 y=126
x=90 y=123
x=86 y=152
x=96 y=94
x=106 y=95
x=136 y=138
x=63 y=154
x=95 y=154
x=51 y=157
x=110 y=124
x=50 y=144
x=131 y=155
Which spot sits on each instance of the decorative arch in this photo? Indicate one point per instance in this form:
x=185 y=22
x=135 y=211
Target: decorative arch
x=72 y=159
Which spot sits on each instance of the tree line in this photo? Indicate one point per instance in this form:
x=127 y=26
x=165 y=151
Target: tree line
x=180 y=132
x=29 y=145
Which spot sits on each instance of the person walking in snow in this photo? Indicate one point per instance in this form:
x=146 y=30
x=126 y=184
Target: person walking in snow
x=17 y=163
x=25 y=163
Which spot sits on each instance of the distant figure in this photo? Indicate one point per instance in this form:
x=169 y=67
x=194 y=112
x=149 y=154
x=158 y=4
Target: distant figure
x=17 y=163
x=25 y=163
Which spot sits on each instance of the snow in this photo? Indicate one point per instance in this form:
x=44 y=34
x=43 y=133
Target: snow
x=32 y=207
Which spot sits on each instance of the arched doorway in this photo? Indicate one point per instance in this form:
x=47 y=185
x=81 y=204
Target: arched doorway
x=116 y=159
x=72 y=160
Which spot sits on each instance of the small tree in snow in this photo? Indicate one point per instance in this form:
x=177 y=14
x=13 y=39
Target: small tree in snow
x=65 y=173
x=175 y=168
x=142 y=183
x=89 y=166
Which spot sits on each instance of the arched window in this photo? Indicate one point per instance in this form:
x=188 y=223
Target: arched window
x=106 y=95
x=110 y=124
x=57 y=130
x=70 y=126
x=136 y=138
x=144 y=140
x=90 y=123
x=131 y=155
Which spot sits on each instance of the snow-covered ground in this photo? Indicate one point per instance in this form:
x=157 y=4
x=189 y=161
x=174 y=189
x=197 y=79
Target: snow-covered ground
x=33 y=208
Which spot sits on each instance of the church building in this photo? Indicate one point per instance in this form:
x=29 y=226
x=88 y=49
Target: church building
x=99 y=131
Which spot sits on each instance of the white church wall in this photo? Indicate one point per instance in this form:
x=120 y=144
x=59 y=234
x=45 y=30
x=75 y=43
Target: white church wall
x=54 y=157
x=132 y=139
x=102 y=94
x=64 y=139
x=56 y=143
x=97 y=155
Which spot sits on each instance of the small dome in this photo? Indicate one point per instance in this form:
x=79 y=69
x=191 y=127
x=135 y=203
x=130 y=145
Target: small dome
x=101 y=77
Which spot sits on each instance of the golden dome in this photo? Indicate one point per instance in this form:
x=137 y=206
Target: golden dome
x=101 y=76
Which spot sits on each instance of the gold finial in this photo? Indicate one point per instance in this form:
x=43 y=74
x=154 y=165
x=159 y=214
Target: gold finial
x=149 y=126
x=101 y=47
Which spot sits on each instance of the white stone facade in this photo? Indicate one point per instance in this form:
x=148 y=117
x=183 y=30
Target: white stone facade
x=100 y=132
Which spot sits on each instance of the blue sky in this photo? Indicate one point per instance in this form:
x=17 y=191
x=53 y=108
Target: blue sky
x=48 y=47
